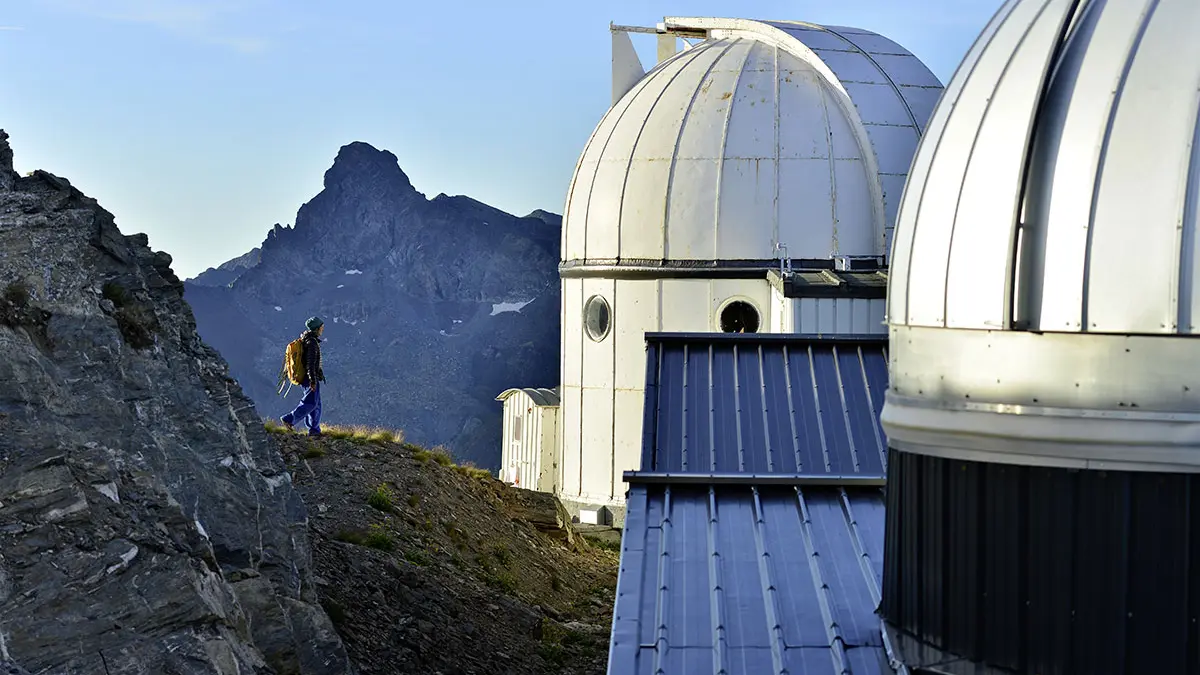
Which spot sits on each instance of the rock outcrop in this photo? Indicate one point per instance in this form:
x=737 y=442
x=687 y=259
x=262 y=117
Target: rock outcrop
x=432 y=306
x=146 y=525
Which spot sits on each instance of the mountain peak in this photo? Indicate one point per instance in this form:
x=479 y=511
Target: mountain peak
x=359 y=162
x=546 y=217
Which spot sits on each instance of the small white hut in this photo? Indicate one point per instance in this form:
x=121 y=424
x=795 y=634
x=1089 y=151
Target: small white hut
x=530 y=438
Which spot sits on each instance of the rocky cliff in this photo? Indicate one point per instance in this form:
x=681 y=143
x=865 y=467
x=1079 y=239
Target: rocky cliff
x=432 y=306
x=146 y=525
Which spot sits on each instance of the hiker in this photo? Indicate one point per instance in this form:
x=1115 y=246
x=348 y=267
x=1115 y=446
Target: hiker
x=309 y=409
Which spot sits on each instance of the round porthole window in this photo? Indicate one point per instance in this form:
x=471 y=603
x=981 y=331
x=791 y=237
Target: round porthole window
x=597 y=318
x=739 y=316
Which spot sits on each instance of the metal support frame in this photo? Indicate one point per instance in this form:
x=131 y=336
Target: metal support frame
x=785 y=260
x=805 y=479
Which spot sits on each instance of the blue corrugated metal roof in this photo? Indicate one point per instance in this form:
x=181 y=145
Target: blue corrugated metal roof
x=746 y=548
x=764 y=404
x=746 y=579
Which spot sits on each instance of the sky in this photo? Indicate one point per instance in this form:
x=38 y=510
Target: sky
x=203 y=122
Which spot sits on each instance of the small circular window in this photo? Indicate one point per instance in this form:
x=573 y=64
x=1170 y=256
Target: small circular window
x=597 y=318
x=739 y=317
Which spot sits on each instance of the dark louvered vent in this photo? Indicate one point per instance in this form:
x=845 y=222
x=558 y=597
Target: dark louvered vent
x=1042 y=570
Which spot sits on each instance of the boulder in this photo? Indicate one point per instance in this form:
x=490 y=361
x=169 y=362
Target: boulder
x=542 y=510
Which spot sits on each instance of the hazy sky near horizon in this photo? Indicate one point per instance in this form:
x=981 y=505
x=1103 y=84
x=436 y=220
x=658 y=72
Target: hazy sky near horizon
x=204 y=122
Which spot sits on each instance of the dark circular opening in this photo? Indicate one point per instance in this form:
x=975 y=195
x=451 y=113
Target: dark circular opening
x=739 y=317
x=597 y=318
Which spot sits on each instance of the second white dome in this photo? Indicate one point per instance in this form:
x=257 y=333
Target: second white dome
x=790 y=133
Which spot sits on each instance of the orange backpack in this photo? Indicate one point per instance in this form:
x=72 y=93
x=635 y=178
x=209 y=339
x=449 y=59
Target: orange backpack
x=293 y=365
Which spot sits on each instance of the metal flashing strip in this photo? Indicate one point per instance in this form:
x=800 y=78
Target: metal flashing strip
x=808 y=278
x=812 y=480
x=659 y=268
x=796 y=340
x=1044 y=436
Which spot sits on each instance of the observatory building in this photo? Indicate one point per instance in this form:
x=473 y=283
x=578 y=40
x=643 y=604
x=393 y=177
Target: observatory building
x=748 y=183
x=1043 y=501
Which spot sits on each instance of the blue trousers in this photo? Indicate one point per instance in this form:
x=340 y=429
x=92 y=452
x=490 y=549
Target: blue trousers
x=309 y=410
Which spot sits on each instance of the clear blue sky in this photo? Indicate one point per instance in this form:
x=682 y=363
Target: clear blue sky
x=203 y=122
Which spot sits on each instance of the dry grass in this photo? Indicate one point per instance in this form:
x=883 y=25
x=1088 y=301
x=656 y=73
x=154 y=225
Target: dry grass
x=357 y=433
x=469 y=470
x=441 y=455
x=364 y=435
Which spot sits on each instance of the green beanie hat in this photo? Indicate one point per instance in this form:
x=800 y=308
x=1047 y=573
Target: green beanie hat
x=313 y=323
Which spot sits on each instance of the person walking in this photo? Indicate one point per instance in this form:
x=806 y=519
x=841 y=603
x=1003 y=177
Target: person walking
x=309 y=409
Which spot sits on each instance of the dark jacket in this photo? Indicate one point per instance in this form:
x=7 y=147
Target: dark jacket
x=312 y=356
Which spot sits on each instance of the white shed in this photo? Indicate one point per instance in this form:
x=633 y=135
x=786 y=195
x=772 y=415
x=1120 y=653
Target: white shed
x=530 y=438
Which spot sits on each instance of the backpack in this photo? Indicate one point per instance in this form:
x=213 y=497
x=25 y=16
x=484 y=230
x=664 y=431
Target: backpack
x=293 y=365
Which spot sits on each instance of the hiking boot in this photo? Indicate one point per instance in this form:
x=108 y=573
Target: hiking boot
x=287 y=424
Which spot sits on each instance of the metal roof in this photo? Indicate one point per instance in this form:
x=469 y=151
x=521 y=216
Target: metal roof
x=762 y=133
x=765 y=404
x=746 y=579
x=541 y=397
x=753 y=538
x=1072 y=123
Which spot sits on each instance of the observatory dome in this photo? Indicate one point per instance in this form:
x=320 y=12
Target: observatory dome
x=1043 y=296
x=765 y=132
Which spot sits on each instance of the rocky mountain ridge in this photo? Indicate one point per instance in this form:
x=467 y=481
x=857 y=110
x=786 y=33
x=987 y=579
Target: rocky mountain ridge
x=227 y=272
x=432 y=306
x=146 y=524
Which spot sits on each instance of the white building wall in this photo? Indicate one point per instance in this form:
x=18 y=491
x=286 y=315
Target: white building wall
x=597 y=360
x=723 y=291
x=638 y=312
x=571 y=391
x=607 y=378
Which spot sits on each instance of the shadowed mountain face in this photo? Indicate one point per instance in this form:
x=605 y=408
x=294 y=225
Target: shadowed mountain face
x=432 y=307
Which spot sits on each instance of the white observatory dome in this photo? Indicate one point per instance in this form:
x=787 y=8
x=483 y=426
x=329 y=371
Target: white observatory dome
x=1043 y=295
x=766 y=132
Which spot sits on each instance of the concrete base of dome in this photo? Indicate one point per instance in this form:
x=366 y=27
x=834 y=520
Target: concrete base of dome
x=610 y=513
